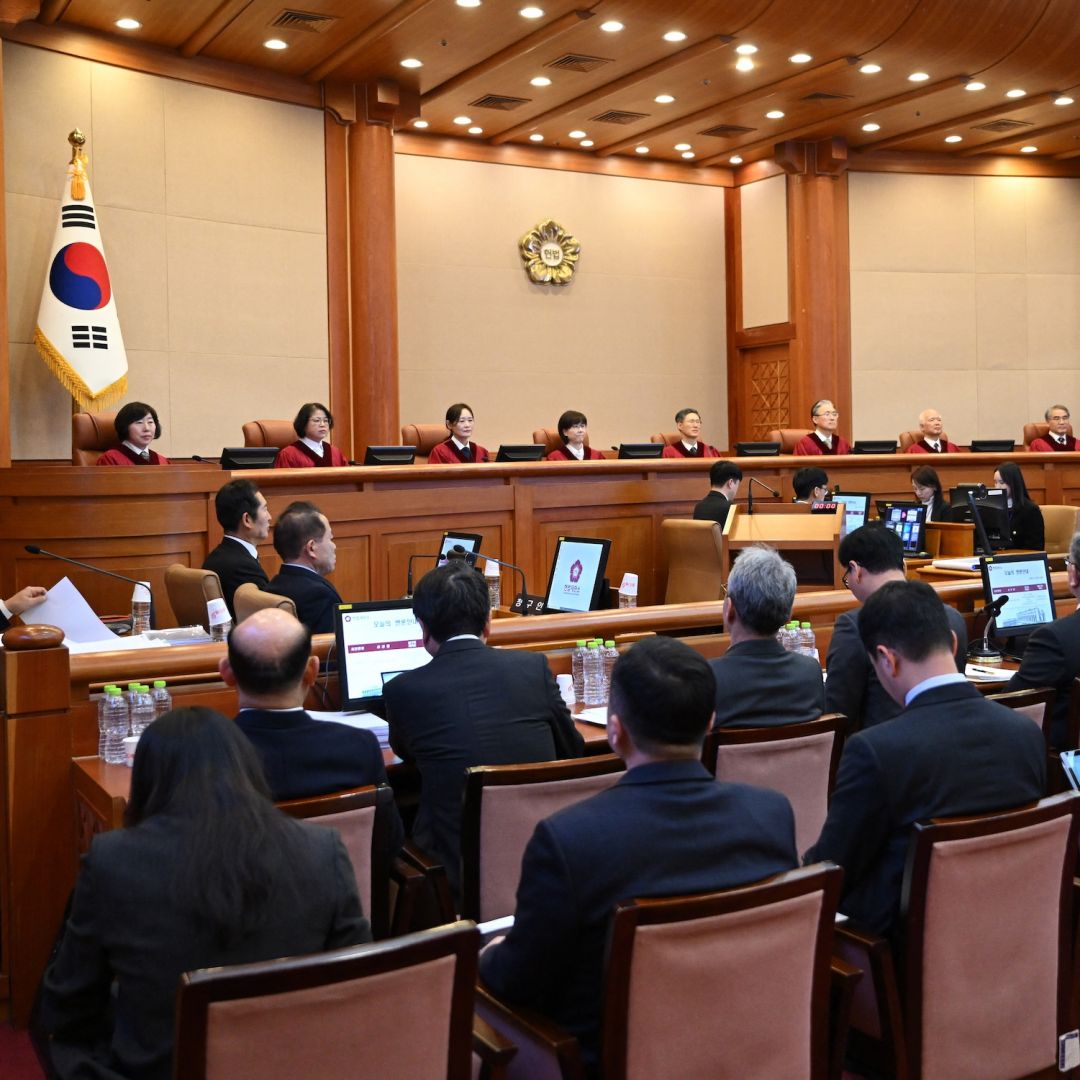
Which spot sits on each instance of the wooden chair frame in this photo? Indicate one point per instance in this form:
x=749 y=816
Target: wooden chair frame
x=741 y=736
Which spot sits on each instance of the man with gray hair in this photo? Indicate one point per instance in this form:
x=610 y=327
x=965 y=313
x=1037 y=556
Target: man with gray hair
x=758 y=682
x=1058 y=437
x=1052 y=654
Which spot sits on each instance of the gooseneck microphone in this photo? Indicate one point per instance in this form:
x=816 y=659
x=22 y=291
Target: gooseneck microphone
x=459 y=552
x=409 y=583
x=35 y=550
x=985 y=652
x=750 y=482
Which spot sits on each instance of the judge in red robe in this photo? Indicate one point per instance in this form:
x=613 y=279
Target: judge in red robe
x=574 y=432
x=459 y=449
x=1058 y=437
x=934 y=440
x=311 y=450
x=823 y=439
x=688 y=421
x=137 y=426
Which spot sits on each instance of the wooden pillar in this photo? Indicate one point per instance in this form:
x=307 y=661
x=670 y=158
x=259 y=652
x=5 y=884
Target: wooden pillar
x=820 y=292
x=336 y=137
x=5 y=351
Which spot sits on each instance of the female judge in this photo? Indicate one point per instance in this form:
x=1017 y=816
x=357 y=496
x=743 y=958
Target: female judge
x=573 y=430
x=137 y=426
x=926 y=484
x=208 y=872
x=312 y=425
x=459 y=449
x=1026 y=526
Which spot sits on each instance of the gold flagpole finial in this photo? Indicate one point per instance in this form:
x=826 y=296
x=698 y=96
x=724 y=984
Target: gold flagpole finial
x=77 y=165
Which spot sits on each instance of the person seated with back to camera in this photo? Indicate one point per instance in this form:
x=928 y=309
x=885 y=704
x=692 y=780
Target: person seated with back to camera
x=574 y=430
x=724 y=480
x=1027 y=530
x=137 y=426
x=313 y=424
x=688 y=421
x=459 y=449
x=810 y=485
x=759 y=683
x=824 y=438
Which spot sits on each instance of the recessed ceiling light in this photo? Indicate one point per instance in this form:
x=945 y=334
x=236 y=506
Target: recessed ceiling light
x=536 y=137
x=412 y=62
x=674 y=35
x=275 y=43
x=1028 y=149
x=954 y=138
x=974 y=84
x=663 y=99
x=474 y=130
x=1063 y=99
x=800 y=58
x=641 y=149
x=746 y=50
x=744 y=63
x=540 y=80
x=612 y=26
x=577 y=133
x=688 y=154
x=774 y=114
x=468 y=3
x=464 y=121
x=871 y=127
x=531 y=13
x=586 y=142
x=1016 y=92
x=918 y=76
x=870 y=69
x=682 y=146
x=735 y=159
x=129 y=24
x=420 y=124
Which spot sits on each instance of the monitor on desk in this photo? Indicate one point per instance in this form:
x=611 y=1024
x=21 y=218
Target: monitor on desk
x=1025 y=580
x=389 y=455
x=908 y=521
x=520 y=452
x=856 y=505
x=992 y=505
x=468 y=542
x=757 y=449
x=376 y=641
x=248 y=457
x=635 y=450
x=577 y=574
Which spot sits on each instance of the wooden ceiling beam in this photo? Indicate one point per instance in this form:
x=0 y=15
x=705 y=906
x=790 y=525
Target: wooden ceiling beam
x=226 y=11
x=860 y=110
x=1067 y=155
x=1017 y=137
x=792 y=82
x=518 y=49
x=379 y=28
x=693 y=52
x=51 y=10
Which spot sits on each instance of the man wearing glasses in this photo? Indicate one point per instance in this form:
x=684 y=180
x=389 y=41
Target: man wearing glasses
x=1058 y=437
x=823 y=439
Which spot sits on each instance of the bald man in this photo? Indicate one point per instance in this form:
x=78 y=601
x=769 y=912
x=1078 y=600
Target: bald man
x=933 y=440
x=272 y=667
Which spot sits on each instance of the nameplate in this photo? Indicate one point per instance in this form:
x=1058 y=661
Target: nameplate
x=534 y=605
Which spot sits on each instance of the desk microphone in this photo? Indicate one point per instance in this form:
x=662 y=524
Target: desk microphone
x=408 y=586
x=457 y=551
x=206 y=460
x=750 y=481
x=984 y=653
x=35 y=550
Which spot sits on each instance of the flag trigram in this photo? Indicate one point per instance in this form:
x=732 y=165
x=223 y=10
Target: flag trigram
x=77 y=216
x=86 y=337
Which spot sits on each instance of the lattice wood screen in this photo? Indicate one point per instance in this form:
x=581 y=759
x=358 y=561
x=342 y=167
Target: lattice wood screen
x=769 y=404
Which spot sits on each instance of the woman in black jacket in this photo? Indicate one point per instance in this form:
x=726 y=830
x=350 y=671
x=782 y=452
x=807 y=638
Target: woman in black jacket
x=1026 y=528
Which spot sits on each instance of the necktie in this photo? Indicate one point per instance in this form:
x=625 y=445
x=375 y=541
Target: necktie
x=1061 y=440
x=936 y=447
x=145 y=455
x=466 y=452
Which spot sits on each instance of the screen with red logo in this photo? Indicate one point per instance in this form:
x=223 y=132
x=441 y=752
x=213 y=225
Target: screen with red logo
x=577 y=574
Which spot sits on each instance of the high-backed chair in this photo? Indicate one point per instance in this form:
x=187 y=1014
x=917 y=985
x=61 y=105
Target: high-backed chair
x=787 y=438
x=394 y=1008
x=502 y=806
x=1039 y=429
x=189 y=591
x=798 y=760
x=1060 y=523
x=425 y=437
x=550 y=439
x=249 y=598
x=277 y=433
x=1036 y=704
x=694 y=551
x=729 y=984
x=92 y=433
x=910 y=438
x=362 y=816
x=987 y=944
x=668 y=438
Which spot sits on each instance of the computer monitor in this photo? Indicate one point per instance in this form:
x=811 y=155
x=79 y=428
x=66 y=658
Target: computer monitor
x=389 y=455
x=248 y=457
x=993 y=507
x=757 y=449
x=470 y=542
x=520 y=452
x=908 y=521
x=856 y=505
x=577 y=574
x=874 y=446
x=992 y=446
x=1025 y=580
x=640 y=450
x=376 y=641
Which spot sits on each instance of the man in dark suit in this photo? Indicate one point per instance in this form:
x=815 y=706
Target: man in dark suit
x=949 y=752
x=1052 y=655
x=872 y=556
x=242 y=512
x=305 y=542
x=272 y=667
x=759 y=683
x=666 y=828
x=26 y=598
x=472 y=705
x=724 y=480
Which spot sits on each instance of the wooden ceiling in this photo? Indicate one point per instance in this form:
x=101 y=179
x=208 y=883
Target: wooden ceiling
x=478 y=62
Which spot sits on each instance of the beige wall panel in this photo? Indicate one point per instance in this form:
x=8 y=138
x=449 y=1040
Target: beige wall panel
x=1046 y=388
x=1053 y=226
x=46 y=95
x=910 y=321
x=242 y=159
x=238 y=289
x=149 y=380
x=764 y=252
x=916 y=223
x=1001 y=321
x=884 y=412
x=1000 y=225
x=135 y=245
x=639 y=333
x=1003 y=404
x=40 y=408
x=30 y=224
x=1053 y=321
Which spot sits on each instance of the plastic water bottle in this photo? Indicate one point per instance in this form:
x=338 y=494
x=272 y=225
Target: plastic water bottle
x=807 y=641
x=788 y=635
x=162 y=698
x=101 y=713
x=611 y=654
x=219 y=618
x=628 y=591
x=142 y=709
x=116 y=727
x=594 y=675
x=577 y=666
x=493 y=579
x=140 y=608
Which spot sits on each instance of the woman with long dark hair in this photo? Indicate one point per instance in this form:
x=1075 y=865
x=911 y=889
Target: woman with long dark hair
x=1026 y=527
x=926 y=484
x=208 y=872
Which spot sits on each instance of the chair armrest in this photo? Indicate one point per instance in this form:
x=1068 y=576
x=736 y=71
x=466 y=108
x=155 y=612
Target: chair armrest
x=543 y=1048
x=843 y=978
x=435 y=904
x=407 y=884
x=492 y=1048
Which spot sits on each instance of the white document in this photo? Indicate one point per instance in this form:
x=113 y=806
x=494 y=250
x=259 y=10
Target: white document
x=365 y=720
x=966 y=563
x=596 y=715
x=67 y=608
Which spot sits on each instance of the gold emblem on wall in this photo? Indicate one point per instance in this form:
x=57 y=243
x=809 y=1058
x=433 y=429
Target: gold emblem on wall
x=550 y=254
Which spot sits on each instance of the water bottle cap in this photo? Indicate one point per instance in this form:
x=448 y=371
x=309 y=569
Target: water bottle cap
x=806 y=626
x=133 y=686
x=159 y=684
x=581 y=644
x=610 y=644
x=594 y=644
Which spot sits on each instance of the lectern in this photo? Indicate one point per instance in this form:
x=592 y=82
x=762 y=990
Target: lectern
x=808 y=541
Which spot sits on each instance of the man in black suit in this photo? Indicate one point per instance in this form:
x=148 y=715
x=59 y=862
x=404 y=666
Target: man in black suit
x=26 y=598
x=242 y=512
x=666 y=828
x=472 y=705
x=305 y=542
x=949 y=752
x=1052 y=655
x=724 y=480
x=872 y=557
x=271 y=664
x=759 y=683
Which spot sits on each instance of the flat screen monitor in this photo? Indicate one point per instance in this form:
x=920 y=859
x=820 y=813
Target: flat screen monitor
x=1025 y=580
x=248 y=457
x=992 y=446
x=874 y=446
x=577 y=574
x=389 y=455
x=908 y=521
x=856 y=505
x=993 y=507
x=520 y=452
x=376 y=641
x=640 y=450
x=757 y=449
x=470 y=542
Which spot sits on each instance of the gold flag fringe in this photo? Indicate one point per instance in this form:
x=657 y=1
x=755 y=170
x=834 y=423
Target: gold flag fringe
x=70 y=379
